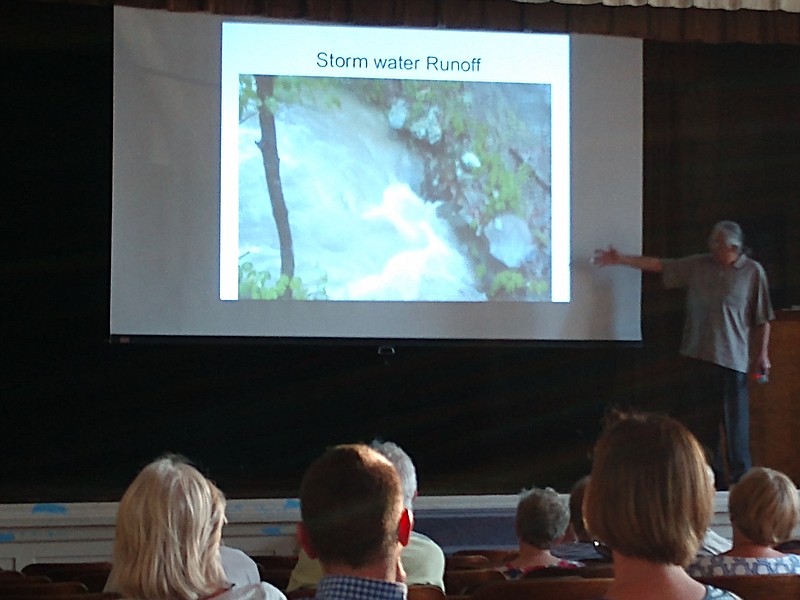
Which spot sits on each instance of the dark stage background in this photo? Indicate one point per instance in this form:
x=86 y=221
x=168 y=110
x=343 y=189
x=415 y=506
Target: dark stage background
x=80 y=416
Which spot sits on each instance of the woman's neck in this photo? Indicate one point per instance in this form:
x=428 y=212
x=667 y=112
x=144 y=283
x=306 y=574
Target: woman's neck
x=637 y=579
x=744 y=547
x=531 y=556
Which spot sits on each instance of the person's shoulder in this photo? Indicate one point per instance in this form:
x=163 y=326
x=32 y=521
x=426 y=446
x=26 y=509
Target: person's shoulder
x=423 y=541
x=254 y=591
x=705 y=565
x=239 y=568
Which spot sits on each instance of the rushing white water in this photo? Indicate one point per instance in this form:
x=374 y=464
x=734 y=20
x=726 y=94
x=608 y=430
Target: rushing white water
x=348 y=184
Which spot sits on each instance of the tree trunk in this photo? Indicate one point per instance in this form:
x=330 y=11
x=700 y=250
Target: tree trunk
x=269 y=153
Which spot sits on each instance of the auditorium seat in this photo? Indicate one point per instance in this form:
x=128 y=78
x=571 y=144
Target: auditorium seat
x=468 y=580
x=425 y=592
x=758 y=587
x=495 y=557
x=789 y=547
x=22 y=589
x=92 y=574
x=565 y=588
x=275 y=561
x=461 y=562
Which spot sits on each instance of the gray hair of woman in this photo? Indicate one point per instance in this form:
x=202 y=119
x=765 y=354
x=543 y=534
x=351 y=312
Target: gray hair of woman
x=542 y=517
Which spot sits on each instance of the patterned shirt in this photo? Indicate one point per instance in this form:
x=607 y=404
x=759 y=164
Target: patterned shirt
x=713 y=593
x=341 y=587
x=513 y=572
x=707 y=566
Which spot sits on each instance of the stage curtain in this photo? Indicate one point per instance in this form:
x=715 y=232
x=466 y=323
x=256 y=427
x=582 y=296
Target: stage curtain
x=709 y=21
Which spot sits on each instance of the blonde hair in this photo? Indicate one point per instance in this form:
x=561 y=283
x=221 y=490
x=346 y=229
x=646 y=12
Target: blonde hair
x=169 y=526
x=764 y=506
x=650 y=495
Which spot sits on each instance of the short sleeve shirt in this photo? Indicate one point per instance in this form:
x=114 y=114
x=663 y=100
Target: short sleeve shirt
x=723 y=304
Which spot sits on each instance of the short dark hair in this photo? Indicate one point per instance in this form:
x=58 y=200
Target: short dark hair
x=351 y=501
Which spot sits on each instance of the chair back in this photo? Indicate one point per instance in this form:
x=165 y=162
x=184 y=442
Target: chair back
x=495 y=557
x=425 y=592
x=462 y=562
x=39 y=590
x=566 y=588
x=20 y=579
x=789 y=547
x=758 y=587
x=275 y=561
x=92 y=574
x=468 y=580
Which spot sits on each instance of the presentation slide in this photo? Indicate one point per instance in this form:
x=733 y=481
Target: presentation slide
x=289 y=180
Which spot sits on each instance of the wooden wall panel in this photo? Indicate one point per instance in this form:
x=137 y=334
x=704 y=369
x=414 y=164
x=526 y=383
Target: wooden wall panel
x=775 y=406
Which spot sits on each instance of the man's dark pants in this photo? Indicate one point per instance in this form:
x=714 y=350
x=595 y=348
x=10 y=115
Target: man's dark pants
x=718 y=397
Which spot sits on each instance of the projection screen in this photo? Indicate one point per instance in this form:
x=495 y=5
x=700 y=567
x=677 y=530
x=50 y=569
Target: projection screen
x=295 y=180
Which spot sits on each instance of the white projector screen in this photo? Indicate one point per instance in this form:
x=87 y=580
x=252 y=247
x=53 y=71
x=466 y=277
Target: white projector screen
x=287 y=180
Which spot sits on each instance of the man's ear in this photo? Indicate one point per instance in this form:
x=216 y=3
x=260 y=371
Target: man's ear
x=305 y=541
x=404 y=527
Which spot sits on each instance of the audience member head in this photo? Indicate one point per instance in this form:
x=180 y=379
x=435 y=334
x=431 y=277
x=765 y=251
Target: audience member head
x=169 y=526
x=351 y=505
x=650 y=495
x=405 y=469
x=576 y=510
x=764 y=506
x=542 y=517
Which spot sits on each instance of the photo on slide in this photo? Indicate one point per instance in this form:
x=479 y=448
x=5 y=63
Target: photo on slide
x=394 y=189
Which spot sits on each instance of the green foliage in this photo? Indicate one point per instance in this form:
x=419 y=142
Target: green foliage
x=511 y=282
x=289 y=90
x=248 y=96
x=503 y=186
x=507 y=281
x=259 y=285
x=538 y=286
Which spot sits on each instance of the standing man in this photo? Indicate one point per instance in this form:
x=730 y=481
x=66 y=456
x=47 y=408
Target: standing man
x=353 y=520
x=727 y=305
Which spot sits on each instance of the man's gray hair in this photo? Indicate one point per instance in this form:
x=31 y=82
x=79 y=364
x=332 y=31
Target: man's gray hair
x=732 y=232
x=405 y=468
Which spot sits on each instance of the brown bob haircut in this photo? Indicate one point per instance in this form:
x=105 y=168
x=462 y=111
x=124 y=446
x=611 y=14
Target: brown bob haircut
x=650 y=494
x=764 y=506
x=351 y=501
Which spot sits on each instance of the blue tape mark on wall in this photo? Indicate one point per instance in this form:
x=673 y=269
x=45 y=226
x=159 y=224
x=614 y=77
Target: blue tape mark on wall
x=6 y=536
x=50 y=509
x=272 y=531
x=292 y=503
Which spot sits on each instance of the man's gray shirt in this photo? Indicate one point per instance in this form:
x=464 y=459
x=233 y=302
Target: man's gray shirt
x=723 y=304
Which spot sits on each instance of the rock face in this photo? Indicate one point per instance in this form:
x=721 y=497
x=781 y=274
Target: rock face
x=510 y=240
x=486 y=155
